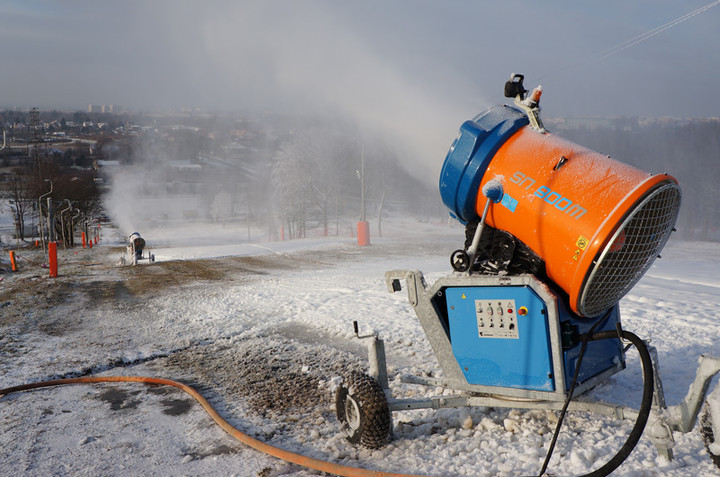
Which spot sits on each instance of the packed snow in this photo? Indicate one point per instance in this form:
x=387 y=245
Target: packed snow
x=264 y=330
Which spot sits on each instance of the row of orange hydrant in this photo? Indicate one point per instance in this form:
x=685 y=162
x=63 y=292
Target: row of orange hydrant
x=87 y=242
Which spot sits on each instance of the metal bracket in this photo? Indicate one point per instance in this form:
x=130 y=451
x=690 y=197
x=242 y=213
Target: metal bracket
x=533 y=115
x=657 y=427
x=683 y=416
x=376 y=358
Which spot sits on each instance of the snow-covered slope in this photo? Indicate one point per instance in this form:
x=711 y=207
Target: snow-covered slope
x=265 y=331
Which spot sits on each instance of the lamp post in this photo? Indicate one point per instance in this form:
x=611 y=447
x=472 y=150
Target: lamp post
x=62 y=222
x=72 y=226
x=42 y=237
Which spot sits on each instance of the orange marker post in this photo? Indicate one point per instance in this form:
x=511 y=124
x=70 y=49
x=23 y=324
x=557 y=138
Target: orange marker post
x=12 y=261
x=52 y=259
x=83 y=240
x=363 y=233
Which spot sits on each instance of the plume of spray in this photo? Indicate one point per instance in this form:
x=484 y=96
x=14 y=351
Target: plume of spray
x=305 y=61
x=308 y=59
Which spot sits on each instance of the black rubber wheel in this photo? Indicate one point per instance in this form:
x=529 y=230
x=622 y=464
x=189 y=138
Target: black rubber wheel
x=708 y=435
x=363 y=412
x=460 y=261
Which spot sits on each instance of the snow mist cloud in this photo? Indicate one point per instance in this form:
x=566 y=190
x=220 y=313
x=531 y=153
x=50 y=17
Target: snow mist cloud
x=305 y=59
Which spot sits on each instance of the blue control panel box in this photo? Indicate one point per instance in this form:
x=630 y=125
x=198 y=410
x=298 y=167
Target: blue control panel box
x=500 y=337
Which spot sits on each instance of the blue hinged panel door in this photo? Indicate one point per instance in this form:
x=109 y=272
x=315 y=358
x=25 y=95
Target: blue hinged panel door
x=500 y=336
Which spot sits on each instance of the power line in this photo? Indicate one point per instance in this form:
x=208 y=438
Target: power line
x=635 y=40
x=649 y=34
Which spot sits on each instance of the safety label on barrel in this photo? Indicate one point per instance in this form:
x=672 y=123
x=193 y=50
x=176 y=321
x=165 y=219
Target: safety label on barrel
x=582 y=243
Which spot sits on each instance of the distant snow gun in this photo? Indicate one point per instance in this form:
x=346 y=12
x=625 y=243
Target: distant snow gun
x=556 y=235
x=135 y=251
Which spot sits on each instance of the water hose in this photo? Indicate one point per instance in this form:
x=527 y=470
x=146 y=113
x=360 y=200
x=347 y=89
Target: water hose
x=299 y=459
x=645 y=404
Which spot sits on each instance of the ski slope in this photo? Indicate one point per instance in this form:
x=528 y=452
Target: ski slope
x=282 y=312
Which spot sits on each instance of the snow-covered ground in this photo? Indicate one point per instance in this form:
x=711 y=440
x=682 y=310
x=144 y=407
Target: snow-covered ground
x=265 y=330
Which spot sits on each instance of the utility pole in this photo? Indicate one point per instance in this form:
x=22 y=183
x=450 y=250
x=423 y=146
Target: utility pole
x=40 y=225
x=36 y=140
x=363 y=227
x=362 y=183
x=51 y=232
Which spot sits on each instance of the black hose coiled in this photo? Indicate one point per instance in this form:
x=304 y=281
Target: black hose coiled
x=645 y=404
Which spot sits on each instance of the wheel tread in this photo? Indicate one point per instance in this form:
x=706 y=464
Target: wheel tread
x=375 y=425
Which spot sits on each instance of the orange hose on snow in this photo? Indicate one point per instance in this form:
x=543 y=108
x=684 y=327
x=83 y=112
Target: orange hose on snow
x=283 y=454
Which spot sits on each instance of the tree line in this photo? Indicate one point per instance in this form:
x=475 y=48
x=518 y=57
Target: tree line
x=293 y=176
x=38 y=184
x=689 y=150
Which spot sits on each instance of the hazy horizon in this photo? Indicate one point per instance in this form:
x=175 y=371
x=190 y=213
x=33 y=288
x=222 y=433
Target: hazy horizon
x=410 y=70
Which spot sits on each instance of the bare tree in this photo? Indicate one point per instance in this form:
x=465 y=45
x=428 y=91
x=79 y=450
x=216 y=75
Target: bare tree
x=16 y=192
x=292 y=183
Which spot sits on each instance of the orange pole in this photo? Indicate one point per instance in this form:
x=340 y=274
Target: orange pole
x=83 y=239
x=52 y=259
x=363 y=233
x=12 y=261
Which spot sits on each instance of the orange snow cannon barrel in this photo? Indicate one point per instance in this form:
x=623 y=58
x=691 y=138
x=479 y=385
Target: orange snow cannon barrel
x=597 y=223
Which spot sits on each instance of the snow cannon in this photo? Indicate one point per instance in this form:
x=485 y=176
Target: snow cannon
x=556 y=235
x=137 y=243
x=135 y=250
x=596 y=224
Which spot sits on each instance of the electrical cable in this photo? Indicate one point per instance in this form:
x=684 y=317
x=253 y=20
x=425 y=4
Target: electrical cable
x=651 y=33
x=645 y=404
x=630 y=42
x=576 y=375
x=299 y=459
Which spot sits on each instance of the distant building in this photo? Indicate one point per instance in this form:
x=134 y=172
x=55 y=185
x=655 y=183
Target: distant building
x=104 y=108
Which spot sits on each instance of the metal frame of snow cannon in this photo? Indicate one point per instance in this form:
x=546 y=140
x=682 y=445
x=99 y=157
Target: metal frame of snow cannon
x=461 y=315
x=427 y=301
x=661 y=424
x=136 y=251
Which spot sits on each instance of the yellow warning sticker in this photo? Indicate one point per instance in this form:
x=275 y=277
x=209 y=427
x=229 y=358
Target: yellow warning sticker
x=463 y=296
x=582 y=243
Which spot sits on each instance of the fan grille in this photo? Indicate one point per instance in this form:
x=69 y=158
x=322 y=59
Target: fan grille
x=632 y=250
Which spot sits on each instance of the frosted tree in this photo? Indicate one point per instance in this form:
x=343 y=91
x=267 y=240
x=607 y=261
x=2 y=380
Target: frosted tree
x=221 y=206
x=309 y=173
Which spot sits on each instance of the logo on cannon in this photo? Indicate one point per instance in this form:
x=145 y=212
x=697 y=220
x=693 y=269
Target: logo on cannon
x=550 y=196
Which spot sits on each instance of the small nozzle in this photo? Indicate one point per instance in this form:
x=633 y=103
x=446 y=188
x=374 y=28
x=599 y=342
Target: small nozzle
x=535 y=95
